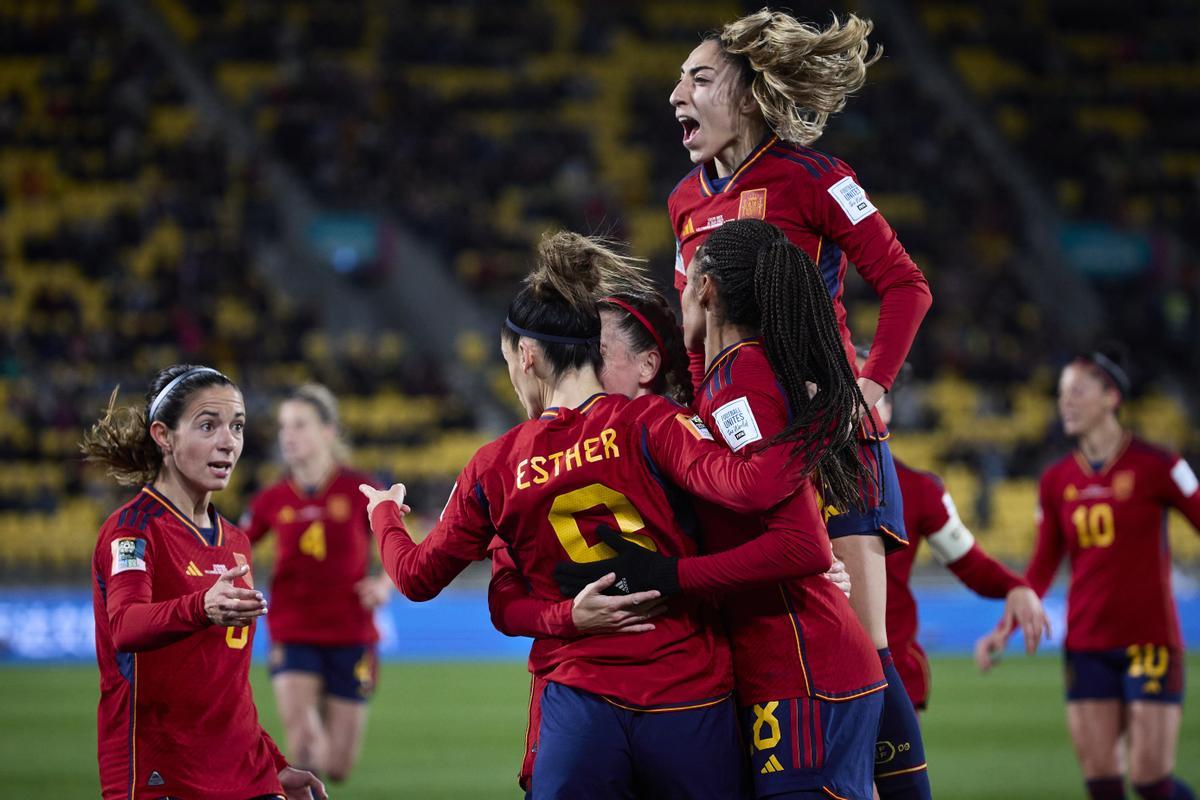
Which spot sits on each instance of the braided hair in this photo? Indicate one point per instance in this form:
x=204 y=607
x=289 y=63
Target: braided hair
x=766 y=283
x=664 y=334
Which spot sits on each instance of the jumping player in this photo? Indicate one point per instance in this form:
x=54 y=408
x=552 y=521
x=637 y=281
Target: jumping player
x=751 y=100
x=650 y=712
x=1104 y=506
x=175 y=605
x=322 y=661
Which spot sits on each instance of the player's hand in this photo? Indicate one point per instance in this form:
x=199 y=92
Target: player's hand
x=989 y=648
x=377 y=496
x=637 y=568
x=230 y=606
x=1023 y=608
x=299 y=784
x=872 y=392
x=373 y=590
x=839 y=577
x=595 y=612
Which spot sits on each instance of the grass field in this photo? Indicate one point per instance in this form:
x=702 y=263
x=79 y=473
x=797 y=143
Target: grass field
x=454 y=731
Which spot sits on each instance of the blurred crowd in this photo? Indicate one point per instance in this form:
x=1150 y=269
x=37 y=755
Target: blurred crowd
x=130 y=233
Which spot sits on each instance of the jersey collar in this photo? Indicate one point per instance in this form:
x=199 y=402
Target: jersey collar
x=1087 y=467
x=582 y=408
x=706 y=185
x=218 y=527
x=727 y=354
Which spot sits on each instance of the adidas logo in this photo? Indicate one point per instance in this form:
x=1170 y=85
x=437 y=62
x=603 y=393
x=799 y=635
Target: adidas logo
x=195 y=572
x=155 y=779
x=773 y=765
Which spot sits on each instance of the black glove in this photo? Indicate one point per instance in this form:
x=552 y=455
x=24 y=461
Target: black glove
x=637 y=569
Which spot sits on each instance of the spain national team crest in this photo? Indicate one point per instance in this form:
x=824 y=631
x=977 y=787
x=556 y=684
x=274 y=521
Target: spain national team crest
x=287 y=514
x=688 y=228
x=752 y=204
x=1122 y=484
x=339 y=508
x=1070 y=493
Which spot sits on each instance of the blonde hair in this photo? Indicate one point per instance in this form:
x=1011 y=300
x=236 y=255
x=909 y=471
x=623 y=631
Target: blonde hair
x=326 y=405
x=800 y=73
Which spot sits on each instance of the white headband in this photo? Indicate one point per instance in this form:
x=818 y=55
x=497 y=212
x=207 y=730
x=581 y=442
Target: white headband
x=161 y=397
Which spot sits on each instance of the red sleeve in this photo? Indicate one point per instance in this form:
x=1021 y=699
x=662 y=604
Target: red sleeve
x=984 y=575
x=276 y=756
x=1183 y=491
x=421 y=571
x=872 y=246
x=794 y=543
x=684 y=449
x=1050 y=545
x=136 y=623
x=516 y=612
x=256 y=522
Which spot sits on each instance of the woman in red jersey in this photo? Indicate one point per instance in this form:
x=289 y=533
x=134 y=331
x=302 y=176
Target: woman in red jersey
x=650 y=713
x=1105 y=506
x=323 y=661
x=643 y=353
x=752 y=99
x=175 y=605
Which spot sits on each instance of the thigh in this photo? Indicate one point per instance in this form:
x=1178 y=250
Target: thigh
x=1153 y=739
x=298 y=684
x=1096 y=727
x=583 y=748
x=883 y=516
x=863 y=556
x=345 y=723
x=690 y=754
x=913 y=666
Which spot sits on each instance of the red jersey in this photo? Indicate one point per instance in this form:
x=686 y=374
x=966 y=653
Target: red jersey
x=930 y=514
x=793 y=638
x=323 y=544
x=817 y=202
x=546 y=485
x=1112 y=523
x=176 y=714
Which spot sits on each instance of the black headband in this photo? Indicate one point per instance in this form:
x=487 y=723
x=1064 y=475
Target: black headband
x=1113 y=370
x=549 y=337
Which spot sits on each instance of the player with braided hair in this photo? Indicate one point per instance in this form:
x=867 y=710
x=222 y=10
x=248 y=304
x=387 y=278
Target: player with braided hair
x=586 y=465
x=752 y=98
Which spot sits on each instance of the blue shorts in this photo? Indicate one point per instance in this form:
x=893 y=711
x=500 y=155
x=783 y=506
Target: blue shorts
x=349 y=672
x=884 y=516
x=809 y=745
x=589 y=747
x=1139 y=672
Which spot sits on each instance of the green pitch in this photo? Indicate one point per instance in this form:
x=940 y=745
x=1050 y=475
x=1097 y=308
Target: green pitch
x=455 y=731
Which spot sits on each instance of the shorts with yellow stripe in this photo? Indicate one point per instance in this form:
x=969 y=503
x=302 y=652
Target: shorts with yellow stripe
x=884 y=513
x=806 y=747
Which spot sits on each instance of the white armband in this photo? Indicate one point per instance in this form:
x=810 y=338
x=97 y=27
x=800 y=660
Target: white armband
x=953 y=540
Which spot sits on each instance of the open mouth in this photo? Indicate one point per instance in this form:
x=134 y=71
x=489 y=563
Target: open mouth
x=690 y=128
x=221 y=468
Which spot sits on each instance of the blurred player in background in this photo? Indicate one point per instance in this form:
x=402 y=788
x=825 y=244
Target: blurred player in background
x=323 y=661
x=650 y=713
x=1105 y=506
x=751 y=99
x=175 y=605
x=930 y=515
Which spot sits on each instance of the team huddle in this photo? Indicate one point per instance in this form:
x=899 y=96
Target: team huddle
x=700 y=525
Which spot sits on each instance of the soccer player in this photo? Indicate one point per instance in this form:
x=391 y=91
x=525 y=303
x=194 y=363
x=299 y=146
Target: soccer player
x=642 y=347
x=322 y=661
x=175 y=605
x=1105 y=506
x=751 y=100
x=651 y=711
x=930 y=515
